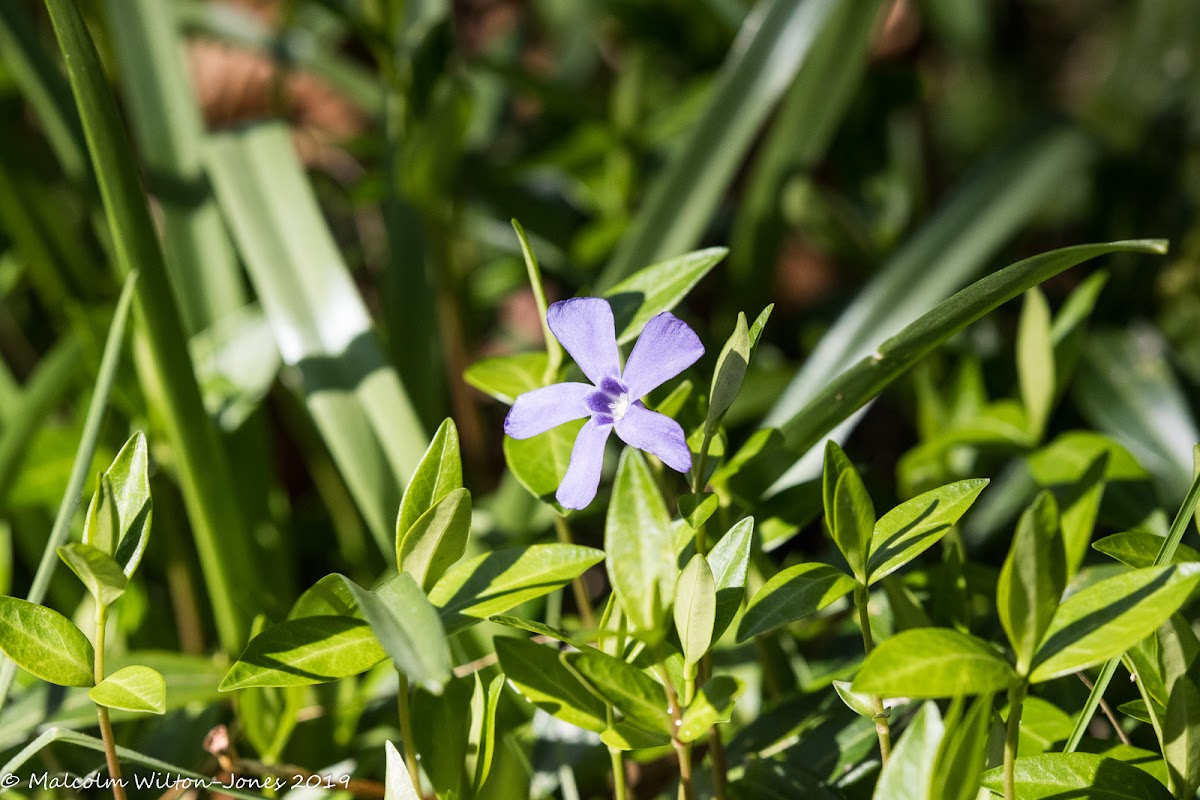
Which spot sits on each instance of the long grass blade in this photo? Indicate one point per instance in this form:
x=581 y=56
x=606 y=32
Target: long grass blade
x=775 y=39
x=220 y=530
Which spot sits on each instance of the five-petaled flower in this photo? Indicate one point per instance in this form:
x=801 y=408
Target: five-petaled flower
x=585 y=328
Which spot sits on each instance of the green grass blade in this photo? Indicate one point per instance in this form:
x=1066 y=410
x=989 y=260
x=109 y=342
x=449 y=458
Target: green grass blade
x=220 y=530
x=809 y=116
x=772 y=452
x=83 y=459
x=166 y=123
x=774 y=42
x=319 y=321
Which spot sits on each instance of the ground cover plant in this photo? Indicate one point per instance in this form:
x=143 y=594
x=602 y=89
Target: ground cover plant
x=718 y=399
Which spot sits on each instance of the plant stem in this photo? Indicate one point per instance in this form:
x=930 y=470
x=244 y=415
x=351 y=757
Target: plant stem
x=582 y=602
x=683 y=750
x=406 y=735
x=1016 y=696
x=862 y=599
x=106 y=732
x=698 y=486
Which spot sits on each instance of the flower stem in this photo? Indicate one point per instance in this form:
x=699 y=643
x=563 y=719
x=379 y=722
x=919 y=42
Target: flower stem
x=406 y=735
x=1016 y=697
x=106 y=732
x=862 y=598
x=586 y=614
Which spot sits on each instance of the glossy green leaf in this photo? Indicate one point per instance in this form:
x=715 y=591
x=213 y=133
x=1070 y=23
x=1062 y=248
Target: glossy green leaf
x=1062 y=775
x=102 y=526
x=507 y=377
x=408 y=628
x=328 y=597
x=909 y=773
x=441 y=736
x=1107 y=618
x=857 y=702
x=657 y=288
x=399 y=784
x=695 y=609
x=304 y=651
x=638 y=697
x=933 y=662
x=1140 y=549
x=756 y=329
x=638 y=541
x=793 y=594
x=712 y=705
x=730 y=561
x=540 y=462
x=853 y=521
x=130 y=479
x=1181 y=737
x=697 y=508
x=504 y=579
x=729 y=373
x=483 y=738
x=100 y=573
x=1136 y=709
x=438 y=473
x=1035 y=361
x=436 y=540
x=1032 y=580
x=963 y=753
x=835 y=463
x=536 y=673
x=45 y=643
x=767 y=456
x=915 y=525
x=1043 y=726
x=133 y=688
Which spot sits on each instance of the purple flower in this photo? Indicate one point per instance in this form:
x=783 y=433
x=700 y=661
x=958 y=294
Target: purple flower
x=585 y=328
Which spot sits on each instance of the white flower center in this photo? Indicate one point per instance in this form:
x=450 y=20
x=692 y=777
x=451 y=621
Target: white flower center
x=619 y=406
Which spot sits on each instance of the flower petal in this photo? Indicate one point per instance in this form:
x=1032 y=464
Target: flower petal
x=578 y=487
x=666 y=348
x=585 y=328
x=655 y=433
x=542 y=409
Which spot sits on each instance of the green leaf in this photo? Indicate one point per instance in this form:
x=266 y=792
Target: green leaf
x=1035 y=361
x=730 y=561
x=129 y=476
x=436 y=540
x=1134 y=708
x=1181 y=737
x=729 y=373
x=328 y=597
x=697 y=508
x=835 y=463
x=1139 y=549
x=508 y=377
x=536 y=673
x=399 y=785
x=1062 y=775
x=504 y=579
x=482 y=740
x=407 y=626
x=963 y=753
x=853 y=521
x=102 y=526
x=540 y=462
x=640 y=699
x=638 y=541
x=1108 y=617
x=757 y=328
x=438 y=473
x=712 y=705
x=1043 y=725
x=915 y=525
x=909 y=773
x=441 y=736
x=1032 y=580
x=766 y=457
x=657 y=288
x=133 y=688
x=304 y=651
x=45 y=643
x=100 y=573
x=857 y=702
x=793 y=594
x=933 y=662
x=695 y=609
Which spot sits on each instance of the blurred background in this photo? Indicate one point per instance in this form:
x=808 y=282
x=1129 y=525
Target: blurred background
x=334 y=182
